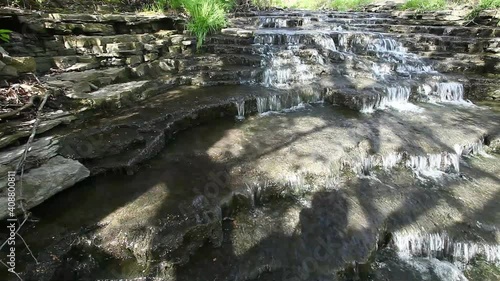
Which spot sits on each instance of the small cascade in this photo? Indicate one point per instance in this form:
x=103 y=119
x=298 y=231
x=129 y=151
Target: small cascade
x=283 y=38
x=395 y=97
x=240 y=106
x=365 y=166
x=450 y=91
x=475 y=148
x=455 y=158
x=269 y=22
x=429 y=165
x=288 y=101
x=285 y=69
x=391 y=160
x=342 y=42
x=440 y=245
x=432 y=165
x=386 y=45
x=426 y=163
x=325 y=42
x=292 y=56
x=417 y=67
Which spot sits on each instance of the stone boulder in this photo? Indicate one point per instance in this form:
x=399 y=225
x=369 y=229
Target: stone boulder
x=12 y=66
x=46 y=172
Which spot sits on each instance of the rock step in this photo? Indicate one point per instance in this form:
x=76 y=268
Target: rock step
x=212 y=61
x=106 y=24
x=291 y=14
x=77 y=83
x=462 y=31
x=457 y=62
x=230 y=39
x=238 y=74
x=415 y=42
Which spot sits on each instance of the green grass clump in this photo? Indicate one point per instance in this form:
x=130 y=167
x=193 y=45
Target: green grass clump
x=5 y=35
x=481 y=6
x=156 y=7
x=424 y=5
x=347 y=5
x=206 y=16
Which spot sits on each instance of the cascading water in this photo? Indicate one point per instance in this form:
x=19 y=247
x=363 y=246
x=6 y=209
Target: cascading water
x=289 y=101
x=450 y=91
x=441 y=245
x=391 y=160
x=396 y=97
x=299 y=56
x=240 y=107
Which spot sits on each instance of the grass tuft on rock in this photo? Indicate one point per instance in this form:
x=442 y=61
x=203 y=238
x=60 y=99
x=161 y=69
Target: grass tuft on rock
x=206 y=16
x=424 y=5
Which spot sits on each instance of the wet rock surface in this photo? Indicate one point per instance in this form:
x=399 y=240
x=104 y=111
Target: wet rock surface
x=303 y=190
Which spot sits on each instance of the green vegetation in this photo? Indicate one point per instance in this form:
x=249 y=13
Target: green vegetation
x=346 y=5
x=424 y=5
x=156 y=7
x=206 y=16
x=5 y=35
x=483 y=5
x=481 y=270
x=432 y=5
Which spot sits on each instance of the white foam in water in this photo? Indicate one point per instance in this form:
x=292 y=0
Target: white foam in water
x=391 y=160
x=455 y=158
x=386 y=45
x=431 y=165
x=282 y=71
x=450 y=91
x=365 y=166
x=325 y=41
x=276 y=22
x=240 y=106
x=475 y=148
x=395 y=97
x=288 y=102
x=411 y=244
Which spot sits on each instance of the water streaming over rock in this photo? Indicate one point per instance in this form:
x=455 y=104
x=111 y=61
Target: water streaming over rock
x=441 y=245
x=450 y=91
x=240 y=107
x=394 y=96
x=285 y=101
x=391 y=160
x=297 y=56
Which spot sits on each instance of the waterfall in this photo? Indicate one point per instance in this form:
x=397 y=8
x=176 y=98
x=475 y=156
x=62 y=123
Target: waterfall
x=273 y=22
x=325 y=42
x=450 y=91
x=391 y=160
x=385 y=45
x=395 y=97
x=440 y=245
x=298 y=56
x=282 y=102
x=285 y=68
x=240 y=106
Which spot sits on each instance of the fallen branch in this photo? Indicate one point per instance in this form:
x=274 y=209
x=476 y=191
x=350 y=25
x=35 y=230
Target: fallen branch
x=15 y=112
x=20 y=168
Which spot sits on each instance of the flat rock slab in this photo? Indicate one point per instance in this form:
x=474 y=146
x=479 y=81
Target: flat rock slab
x=11 y=132
x=43 y=182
